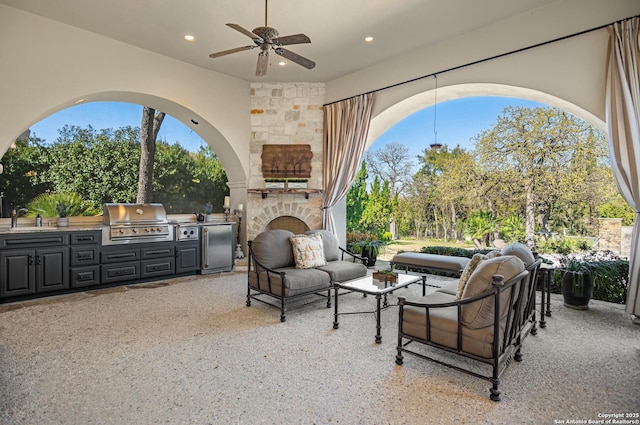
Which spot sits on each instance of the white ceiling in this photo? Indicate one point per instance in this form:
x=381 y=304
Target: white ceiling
x=336 y=28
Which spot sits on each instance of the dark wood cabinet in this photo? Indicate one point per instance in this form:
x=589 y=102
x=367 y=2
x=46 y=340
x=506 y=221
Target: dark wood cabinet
x=17 y=273
x=46 y=262
x=118 y=272
x=85 y=259
x=52 y=269
x=27 y=270
x=187 y=257
x=157 y=260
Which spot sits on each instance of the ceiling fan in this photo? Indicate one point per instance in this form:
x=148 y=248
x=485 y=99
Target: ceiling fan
x=267 y=38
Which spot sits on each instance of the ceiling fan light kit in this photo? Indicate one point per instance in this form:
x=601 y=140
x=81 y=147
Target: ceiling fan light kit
x=267 y=38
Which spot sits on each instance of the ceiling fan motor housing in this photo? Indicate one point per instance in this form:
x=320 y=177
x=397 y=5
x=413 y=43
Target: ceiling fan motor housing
x=268 y=34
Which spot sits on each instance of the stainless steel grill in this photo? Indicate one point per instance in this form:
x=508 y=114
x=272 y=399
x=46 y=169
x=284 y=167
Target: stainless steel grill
x=135 y=223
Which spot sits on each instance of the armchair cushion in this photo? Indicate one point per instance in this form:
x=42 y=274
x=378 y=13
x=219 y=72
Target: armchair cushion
x=480 y=314
x=308 y=251
x=521 y=251
x=443 y=328
x=342 y=271
x=273 y=248
x=296 y=281
x=470 y=268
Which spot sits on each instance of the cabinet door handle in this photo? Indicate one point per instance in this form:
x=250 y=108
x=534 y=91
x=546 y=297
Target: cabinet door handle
x=30 y=260
x=164 y=251
x=37 y=259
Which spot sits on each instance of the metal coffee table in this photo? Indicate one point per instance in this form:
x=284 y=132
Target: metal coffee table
x=368 y=286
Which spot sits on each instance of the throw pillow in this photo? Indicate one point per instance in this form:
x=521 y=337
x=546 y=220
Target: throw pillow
x=470 y=268
x=308 y=251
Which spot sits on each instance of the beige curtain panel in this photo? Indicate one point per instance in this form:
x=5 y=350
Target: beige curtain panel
x=346 y=125
x=623 y=122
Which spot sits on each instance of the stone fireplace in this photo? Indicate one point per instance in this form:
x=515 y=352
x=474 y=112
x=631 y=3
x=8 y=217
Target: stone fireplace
x=285 y=113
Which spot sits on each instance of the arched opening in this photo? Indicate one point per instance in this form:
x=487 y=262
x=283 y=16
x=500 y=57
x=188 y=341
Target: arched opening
x=191 y=120
x=287 y=222
x=388 y=118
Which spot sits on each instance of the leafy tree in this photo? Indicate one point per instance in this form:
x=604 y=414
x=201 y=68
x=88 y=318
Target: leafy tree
x=512 y=228
x=102 y=166
x=378 y=210
x=23 y=166
x=151 y=122
x=617 y=207
x=357 y=199
x=536 y=152
x=480 y=225
x=392 y=164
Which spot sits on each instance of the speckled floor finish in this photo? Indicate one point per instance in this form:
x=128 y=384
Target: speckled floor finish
x=190 y=352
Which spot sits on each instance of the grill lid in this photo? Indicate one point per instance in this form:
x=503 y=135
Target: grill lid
x=134 y=214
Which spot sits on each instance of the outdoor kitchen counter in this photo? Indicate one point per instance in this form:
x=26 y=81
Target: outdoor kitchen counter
x=40 y=229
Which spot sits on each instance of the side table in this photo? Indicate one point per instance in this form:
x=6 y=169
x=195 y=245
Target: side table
x=545 y=276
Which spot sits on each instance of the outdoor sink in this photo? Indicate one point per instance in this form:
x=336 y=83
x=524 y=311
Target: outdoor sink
x=30 y=228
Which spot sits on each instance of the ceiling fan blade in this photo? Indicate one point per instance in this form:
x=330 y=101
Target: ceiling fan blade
x=228 y=52
x=246 y=32
x=291 y=39
x=263 y=62
x=294 y=57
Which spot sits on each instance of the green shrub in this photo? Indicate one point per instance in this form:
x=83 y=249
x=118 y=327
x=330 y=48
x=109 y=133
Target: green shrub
x=70 y=204
x=456 y=252
x=612 y=287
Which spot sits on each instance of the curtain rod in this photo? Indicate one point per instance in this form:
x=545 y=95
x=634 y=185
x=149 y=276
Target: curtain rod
x=498 y=56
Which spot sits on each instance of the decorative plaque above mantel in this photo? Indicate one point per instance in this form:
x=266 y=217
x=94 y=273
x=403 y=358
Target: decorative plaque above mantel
x=286 y=161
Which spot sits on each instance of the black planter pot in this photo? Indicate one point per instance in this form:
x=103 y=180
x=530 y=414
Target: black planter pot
x=577 y=289
x=371 y=256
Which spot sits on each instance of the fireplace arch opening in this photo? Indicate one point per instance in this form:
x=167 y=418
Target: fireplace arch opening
x=287 y=222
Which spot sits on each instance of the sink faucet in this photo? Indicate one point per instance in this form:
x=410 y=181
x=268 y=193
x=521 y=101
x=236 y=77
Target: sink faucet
x=15 y=214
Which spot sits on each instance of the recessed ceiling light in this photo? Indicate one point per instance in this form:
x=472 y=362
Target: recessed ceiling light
x=282 y=62
x=368 y=39
x=79 y=101
x=189 y=37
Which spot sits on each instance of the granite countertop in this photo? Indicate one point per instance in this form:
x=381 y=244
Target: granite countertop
x=42 y=229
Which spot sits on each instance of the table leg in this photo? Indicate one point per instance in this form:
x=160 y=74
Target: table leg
x=548 y=312
x=378 y=326
x=335 y=314
x=424 y=285
x=545 y=285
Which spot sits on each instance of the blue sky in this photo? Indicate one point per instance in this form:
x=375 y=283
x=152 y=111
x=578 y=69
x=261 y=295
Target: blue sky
x=458 y=121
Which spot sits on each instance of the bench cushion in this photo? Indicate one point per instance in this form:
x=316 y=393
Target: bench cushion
x=431 y=261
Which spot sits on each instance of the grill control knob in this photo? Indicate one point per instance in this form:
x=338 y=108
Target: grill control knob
x=191 y=232
x=134 y=231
